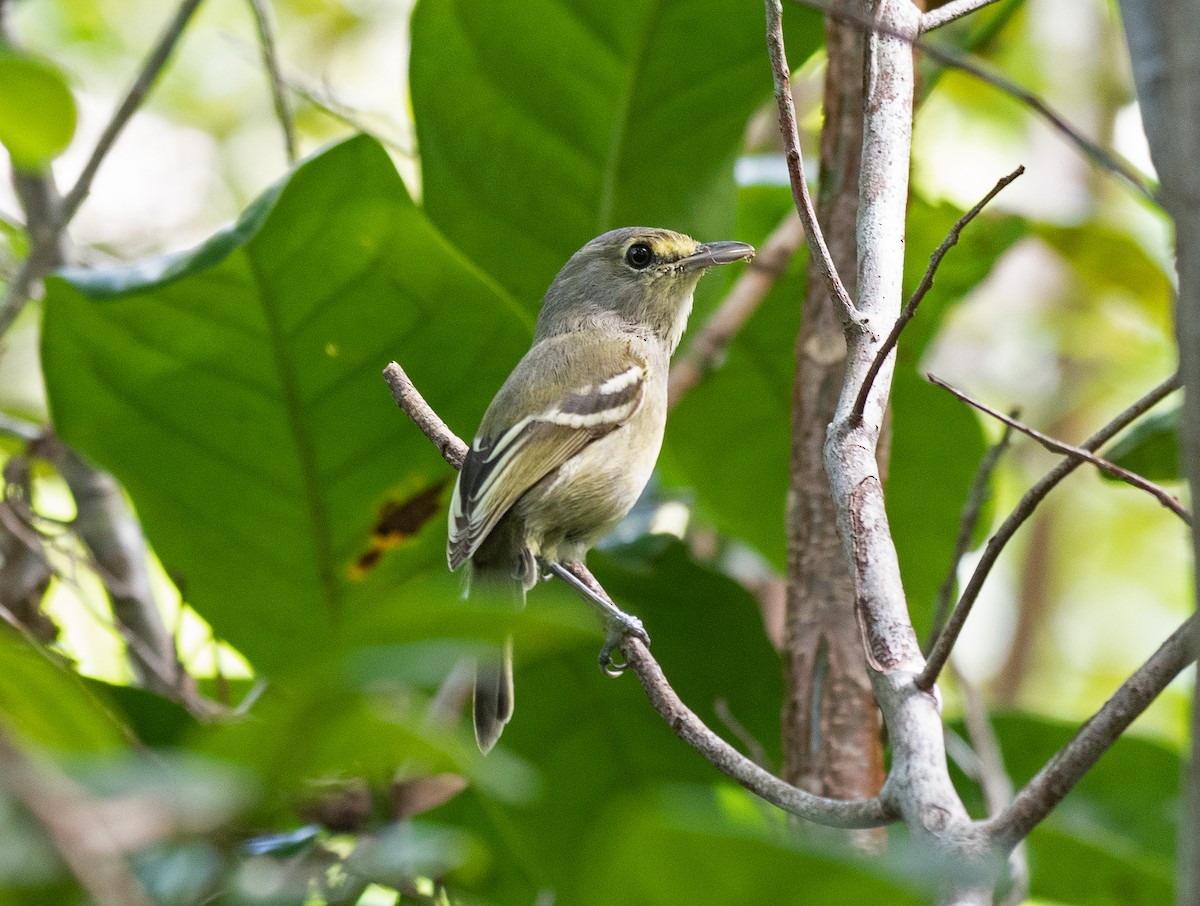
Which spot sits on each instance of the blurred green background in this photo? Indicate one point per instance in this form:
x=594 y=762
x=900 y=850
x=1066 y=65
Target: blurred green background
x=219 y=350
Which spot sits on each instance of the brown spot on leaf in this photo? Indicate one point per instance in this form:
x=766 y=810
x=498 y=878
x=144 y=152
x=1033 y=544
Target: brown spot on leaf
x=398 y=521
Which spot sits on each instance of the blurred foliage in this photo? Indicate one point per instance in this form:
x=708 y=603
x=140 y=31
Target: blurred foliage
x=234 y=389
x=37 y=110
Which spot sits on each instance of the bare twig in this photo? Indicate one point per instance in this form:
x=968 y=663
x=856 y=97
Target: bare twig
x=1170 y=501
x=910 y=309
x=872 y=812
x=1065 y=769
x=948 y=12
x=1102 y=157
x=993 y=778
x=1023 y=510
x=270 y=59
x=44 y=254
x=976 y=498
x=795 y=164
x=708 y=347
x=129 y=105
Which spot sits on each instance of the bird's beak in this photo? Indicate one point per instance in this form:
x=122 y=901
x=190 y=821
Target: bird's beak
x=713 y=253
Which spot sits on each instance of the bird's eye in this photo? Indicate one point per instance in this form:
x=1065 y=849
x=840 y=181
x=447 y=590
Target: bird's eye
x=639 y=256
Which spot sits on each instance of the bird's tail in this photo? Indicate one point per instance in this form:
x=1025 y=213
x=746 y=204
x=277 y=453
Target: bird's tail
x=493 y=699
x=493 y=702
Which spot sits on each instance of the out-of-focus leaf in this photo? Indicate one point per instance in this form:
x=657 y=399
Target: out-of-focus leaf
x=340 y=723
x=179 y=874
x=597 y=740
x=728 y=438
x=608 y=116
x=719 y=846
x=1108 y=261
x=48 y=704
x=37 y=110
x=982 y=243
x=1112 y=840
x=1150 y=448
x=257 y=439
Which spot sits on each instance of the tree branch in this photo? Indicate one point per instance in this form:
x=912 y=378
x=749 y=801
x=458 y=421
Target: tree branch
x=708 y=347
x=948 y=12
x=996 y=785
x=922 y=289
x=1023 y=510
x=872 y=812
x=44 y=254
x=1057 y=446
x=972 y=508
x=129 y=105
x=795 y=164
x=270 y=60
x=1102 y=157
x=1094 y=738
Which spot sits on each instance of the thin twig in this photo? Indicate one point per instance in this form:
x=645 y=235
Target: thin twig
x=1168 y=500
x=873 y=812
x=795 y=164
x=910 y=309
x=1023 y=510
x=971 y=511
x=43 y=255
x=947 y=13
x=270 y=59
x=133 y=99
x=1094 y=738
x=1104 y=158
x=322 y=99
x=709 y=345
x=994 y=779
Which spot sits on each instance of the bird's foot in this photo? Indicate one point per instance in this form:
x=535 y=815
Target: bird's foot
x=618 y=625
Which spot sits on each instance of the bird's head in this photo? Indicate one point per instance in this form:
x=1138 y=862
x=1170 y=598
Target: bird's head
x=641 y=275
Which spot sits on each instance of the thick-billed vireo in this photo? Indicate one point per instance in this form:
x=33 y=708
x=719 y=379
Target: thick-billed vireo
x=569 y=442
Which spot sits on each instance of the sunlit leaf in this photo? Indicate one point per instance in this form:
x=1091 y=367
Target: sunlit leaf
x=37 y=110
x=257 y=439
x=607 y=116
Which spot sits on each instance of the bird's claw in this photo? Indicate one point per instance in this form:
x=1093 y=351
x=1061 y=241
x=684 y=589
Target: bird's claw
x=620 y=627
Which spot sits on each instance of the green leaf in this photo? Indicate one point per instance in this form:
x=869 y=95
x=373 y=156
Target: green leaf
x=1150 y=448
x=720 y=846
x=256 y=437
x=544 y=123
x=1112 y=840
x=37 y=110
x=596 y=740
x=46 y=703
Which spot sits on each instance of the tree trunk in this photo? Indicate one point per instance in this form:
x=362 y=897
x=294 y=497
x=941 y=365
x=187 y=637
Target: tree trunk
x=831 y=727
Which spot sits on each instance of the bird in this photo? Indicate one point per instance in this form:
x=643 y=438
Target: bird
x=571 y=438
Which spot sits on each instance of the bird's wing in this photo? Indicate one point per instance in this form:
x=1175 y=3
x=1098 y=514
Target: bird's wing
x=512 y=454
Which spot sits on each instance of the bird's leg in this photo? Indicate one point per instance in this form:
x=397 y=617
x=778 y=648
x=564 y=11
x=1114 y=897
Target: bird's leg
x=617 y=623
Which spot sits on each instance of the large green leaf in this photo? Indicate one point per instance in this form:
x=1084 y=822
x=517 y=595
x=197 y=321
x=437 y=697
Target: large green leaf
x=544 y=123
x=235 y=391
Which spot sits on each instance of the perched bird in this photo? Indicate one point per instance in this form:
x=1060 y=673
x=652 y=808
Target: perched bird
x=571 y=438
